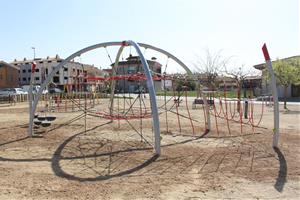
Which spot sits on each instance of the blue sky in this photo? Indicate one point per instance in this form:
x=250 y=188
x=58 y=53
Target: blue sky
x=185 y=28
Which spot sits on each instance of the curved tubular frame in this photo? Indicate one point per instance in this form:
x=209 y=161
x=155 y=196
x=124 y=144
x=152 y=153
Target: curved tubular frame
x=147 y=73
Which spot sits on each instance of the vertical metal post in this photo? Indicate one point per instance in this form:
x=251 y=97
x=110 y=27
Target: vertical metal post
x=30 y=100
x=275 y=96
x=206 y=104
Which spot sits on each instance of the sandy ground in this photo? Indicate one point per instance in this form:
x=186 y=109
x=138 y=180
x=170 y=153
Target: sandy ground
x=109 y=160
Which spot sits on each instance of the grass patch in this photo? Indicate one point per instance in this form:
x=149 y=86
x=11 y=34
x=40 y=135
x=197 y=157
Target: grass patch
x=229 y=94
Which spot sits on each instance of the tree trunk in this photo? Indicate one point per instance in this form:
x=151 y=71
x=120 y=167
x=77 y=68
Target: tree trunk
x=285 y=96
x=238 y=107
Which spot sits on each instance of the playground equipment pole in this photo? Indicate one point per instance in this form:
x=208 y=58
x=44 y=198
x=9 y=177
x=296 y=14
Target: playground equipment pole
x=152 y=94
x=275 y=95
x=31 y=98
x=206 y=104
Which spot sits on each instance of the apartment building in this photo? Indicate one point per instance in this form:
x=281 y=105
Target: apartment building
x=133 y=65
x=71 y=74
x=8 y=75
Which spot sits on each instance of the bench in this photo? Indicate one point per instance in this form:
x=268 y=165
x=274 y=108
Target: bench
x=200 y=101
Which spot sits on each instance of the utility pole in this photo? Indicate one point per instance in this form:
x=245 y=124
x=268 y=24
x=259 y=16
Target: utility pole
x=33 y=52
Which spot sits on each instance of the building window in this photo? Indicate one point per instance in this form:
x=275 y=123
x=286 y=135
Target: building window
x=46 y=70
x=49 y=61
x=66 y=78
x=29 y=70
x=29 y=79
x=37 y=70
x=24 y=70
x=65 y=69
x=55 y=79
x=131 y=70
x=24 y=79
x=41 y=62
x=37 y=78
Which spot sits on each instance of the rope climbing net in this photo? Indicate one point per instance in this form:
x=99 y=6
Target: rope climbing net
x=131 y=103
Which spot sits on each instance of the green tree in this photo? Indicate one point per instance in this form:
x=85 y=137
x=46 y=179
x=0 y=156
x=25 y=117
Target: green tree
x=287 y=73
x=180 y=84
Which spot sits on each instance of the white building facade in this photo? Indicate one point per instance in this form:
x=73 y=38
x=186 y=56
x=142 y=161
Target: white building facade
x=71 y=74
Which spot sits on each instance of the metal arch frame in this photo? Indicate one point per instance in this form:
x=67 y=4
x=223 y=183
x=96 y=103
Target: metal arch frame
x=146 y=68
x=147 y=46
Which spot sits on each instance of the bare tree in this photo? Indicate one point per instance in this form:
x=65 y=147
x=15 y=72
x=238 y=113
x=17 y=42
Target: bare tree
x=239 y=75
x=210 y=68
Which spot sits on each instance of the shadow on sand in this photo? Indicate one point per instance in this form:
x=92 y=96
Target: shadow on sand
x=58 y=157
x=281 y=179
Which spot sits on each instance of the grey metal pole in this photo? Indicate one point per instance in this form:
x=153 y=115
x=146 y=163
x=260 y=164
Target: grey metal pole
x=152 y=94
x=276 y=104
x=206 y=110
x=275 y=96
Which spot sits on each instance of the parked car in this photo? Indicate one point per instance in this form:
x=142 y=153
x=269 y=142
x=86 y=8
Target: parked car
x=35 y=89
x=7 y=91
x=55 y=90
x=11 y=91
x=20 y=91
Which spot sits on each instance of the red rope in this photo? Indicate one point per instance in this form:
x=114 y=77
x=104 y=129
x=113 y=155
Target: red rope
x=226 y=115
x=131 y=77
x=241 y=115
x=176 y=105
x=232 y=115
x=220 y=107
x=261 y=116
x=188 y=110
x=204 y=113
x=216 y=119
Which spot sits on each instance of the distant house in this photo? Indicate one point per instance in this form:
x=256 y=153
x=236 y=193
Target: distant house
x=9 y=75
x=228 y=83
x=131 y=66
x=94 y=78
x=293 y=90
x=108 y=71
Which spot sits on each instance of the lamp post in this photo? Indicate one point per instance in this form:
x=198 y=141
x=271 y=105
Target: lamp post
x=30 y=92
x=33 y=52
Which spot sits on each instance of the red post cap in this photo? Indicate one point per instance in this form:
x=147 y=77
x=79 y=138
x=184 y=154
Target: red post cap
x=265 y=51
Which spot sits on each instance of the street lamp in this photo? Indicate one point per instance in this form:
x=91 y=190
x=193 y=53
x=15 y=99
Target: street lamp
x=33 y=52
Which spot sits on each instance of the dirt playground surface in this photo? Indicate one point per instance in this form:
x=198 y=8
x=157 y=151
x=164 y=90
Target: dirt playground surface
x=109 y=160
